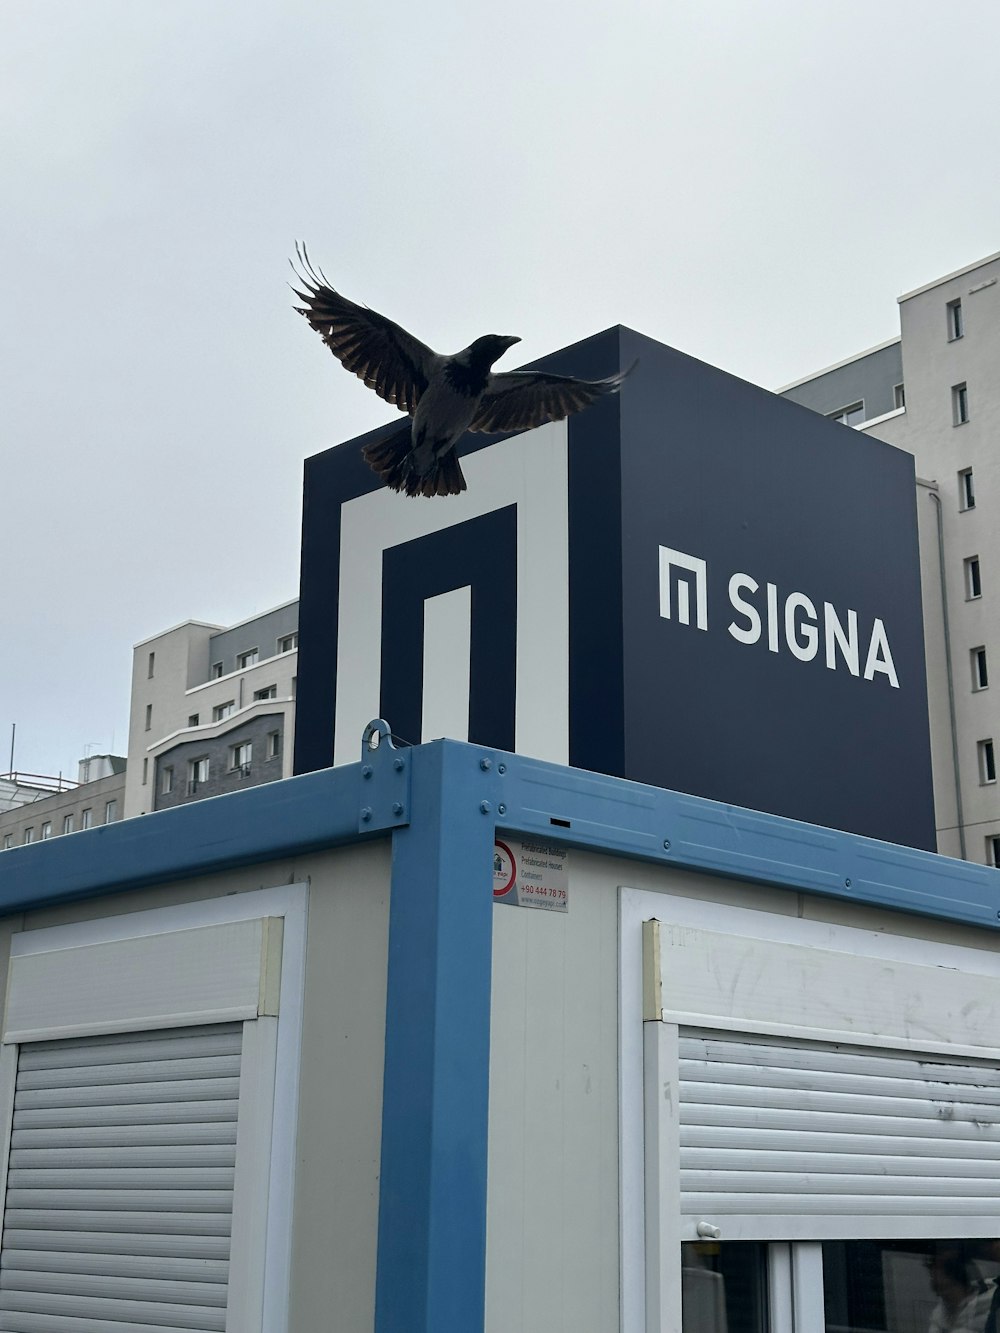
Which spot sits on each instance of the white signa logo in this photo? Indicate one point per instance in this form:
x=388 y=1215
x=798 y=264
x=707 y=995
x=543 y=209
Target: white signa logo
x=792 y=621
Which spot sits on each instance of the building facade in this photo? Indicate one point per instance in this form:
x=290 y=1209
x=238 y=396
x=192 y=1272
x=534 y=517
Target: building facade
x=212 y=709
x=35 y=808
x=935 y=392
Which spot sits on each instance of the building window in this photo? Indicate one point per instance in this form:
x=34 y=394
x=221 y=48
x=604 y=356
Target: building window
x=956 y=324
x=987 y=762
x=287 y=642
x=46 y=830
x=110 y=812
x=849 y=416
x=221 y=711
x=193 y=720
x=898 y=396
x=149 y=716
x=67 y=823
x=240 y=756
x=993 y=850
x=8 y=841
x=145 y=771
x=29 y=835
x=268 y=692
x=197 y=772
x=86 y=818
x=980 y=672
x=966 y=490
x=959 y=404
x=973 y=578
x=216 y=670
x=246 y=659
x=152 y=662
x=273 y=744
x=166 y=781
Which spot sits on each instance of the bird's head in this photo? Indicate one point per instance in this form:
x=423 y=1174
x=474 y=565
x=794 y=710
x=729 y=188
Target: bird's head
x=491 y=347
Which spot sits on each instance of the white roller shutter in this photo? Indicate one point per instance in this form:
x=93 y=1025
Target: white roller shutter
x=772 y=1129
x=119 y=1192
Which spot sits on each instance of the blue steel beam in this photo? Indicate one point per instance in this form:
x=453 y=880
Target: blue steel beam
x=263 y=823
x=615 y=816
x=432 y=1201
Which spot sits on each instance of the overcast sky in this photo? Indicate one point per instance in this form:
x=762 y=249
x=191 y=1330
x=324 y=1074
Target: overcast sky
x=753 y=183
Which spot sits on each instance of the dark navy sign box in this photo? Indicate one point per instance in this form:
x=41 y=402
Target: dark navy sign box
x=696 y=585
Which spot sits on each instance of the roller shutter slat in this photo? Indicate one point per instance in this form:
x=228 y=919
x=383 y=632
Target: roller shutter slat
x=157 y=1113
x=974 y=1150
x=197 y=1043
x=124 y=1136
x=139 y=1071
x=204 y=1224
x=118 y=1265
x=172 y=1155
x=119 y=1244
x=103 y=1286
x=160 y=1201
x=119 y=1186
x=128 y=1094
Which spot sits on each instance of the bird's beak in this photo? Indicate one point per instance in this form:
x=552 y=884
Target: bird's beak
x=509 y=341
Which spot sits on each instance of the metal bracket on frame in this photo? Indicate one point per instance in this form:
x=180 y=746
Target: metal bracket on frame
x=384 y=798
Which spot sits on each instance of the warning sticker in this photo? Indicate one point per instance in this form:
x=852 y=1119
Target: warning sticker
x=531 y=874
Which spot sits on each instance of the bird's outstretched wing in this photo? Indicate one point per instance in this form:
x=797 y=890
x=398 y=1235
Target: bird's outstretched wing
x=389 y=360
x=523 y=399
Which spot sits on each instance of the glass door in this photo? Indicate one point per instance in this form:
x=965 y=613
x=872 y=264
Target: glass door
x=843 y=1286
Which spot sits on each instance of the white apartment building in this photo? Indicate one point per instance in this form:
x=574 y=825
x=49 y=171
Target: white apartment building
x=212 y=709
x=935 y=391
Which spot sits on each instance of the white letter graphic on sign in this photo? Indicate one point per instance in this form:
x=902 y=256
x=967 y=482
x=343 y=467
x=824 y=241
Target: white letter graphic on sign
x=737 y=584
x=806 y=651
x=670 y=559
x=836 y=638
x=879 y=656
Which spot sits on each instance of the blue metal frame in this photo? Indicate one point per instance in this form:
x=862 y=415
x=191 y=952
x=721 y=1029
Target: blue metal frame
x=441 y=804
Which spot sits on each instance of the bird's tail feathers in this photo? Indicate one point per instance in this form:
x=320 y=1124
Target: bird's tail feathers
x=392 y=460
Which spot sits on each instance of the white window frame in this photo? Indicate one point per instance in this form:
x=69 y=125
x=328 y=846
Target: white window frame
x=86 y=818
x=649 y=1201
x=973 y=575
x=271 y=1060
x=67 y=823
x=960 y=404
x=986 y=757
x=45 y=831
x=980 y=669
x=221 y=711
x=966 y=490
x=237 y=751
x=291 y=639
x=899 y=397
x=844 y=414
x=248 y=659
x=956 y=320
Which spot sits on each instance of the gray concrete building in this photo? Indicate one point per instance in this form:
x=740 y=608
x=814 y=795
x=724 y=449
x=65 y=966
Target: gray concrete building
x=212 y=709
x=36 y=808
x=935 y=391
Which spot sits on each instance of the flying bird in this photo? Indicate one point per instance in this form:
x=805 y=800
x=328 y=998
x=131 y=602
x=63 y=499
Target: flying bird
x=444 y=395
